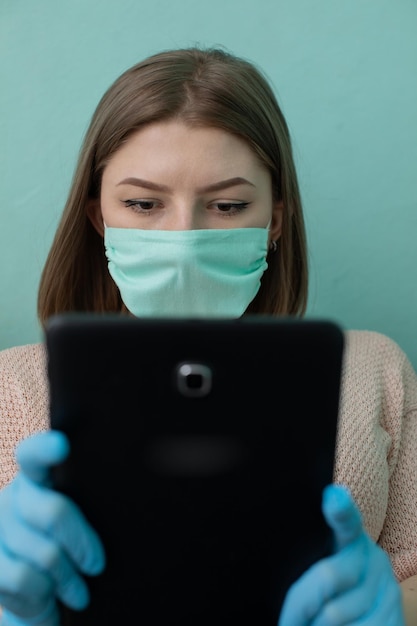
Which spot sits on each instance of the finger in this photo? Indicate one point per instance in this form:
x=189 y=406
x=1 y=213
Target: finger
x=17 y=579
x=326 y=579
x=374 y=601
x=57 y=516
x=37 y=453
x=356 y=608
x=346 y=608
x=39 y=556
x=342 y=515
x=50 y=617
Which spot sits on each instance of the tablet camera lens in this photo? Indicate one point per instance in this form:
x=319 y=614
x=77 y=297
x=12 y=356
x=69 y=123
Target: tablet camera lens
x=194 y=379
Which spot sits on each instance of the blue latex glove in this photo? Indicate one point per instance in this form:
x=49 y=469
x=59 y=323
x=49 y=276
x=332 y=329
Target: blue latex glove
x=355 y=586
x=46 y=544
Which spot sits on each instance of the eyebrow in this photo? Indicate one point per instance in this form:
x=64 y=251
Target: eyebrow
x=222 y=184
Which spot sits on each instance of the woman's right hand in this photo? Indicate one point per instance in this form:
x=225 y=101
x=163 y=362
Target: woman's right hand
x=46 y=544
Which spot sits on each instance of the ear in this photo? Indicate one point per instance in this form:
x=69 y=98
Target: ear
x=276 y=221
x=94 y=215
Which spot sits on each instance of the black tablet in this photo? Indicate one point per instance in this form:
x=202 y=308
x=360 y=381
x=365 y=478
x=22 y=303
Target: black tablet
x=200 y=449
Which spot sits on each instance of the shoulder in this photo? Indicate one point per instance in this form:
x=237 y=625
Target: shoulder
x=371 y=345
x=375 y=363
x=23 y=374
x=373 y=349
x=23 y=360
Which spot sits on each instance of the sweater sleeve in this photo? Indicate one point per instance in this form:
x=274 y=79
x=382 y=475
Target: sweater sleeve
x=399 y=533
x=376 y=453
x=24 y=401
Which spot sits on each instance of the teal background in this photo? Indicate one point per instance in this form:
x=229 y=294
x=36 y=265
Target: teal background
x=345 y=73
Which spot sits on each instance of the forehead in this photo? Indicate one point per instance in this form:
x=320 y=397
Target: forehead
x=163 y=146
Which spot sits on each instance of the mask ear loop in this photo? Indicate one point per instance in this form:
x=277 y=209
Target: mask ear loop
x=273 y=245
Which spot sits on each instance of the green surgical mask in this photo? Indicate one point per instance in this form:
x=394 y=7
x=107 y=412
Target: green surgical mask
x=187 y=273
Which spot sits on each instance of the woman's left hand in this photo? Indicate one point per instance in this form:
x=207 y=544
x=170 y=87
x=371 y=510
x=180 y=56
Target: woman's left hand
x=355 y=586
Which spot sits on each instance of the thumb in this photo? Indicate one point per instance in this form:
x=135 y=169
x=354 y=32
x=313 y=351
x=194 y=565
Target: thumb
x=37 y=453
x=342 y=515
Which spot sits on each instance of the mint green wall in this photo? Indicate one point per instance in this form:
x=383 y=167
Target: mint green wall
x=345 y=72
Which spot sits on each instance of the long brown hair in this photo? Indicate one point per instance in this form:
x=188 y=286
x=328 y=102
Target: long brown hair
x=202 y=87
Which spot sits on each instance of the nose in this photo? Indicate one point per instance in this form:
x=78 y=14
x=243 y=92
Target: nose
x=185 y=217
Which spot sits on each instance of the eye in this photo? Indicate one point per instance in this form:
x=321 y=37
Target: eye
x=141 y=205
x=231 y=207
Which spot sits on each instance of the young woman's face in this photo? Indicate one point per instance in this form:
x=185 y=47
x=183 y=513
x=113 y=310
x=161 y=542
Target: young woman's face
x=170 y=176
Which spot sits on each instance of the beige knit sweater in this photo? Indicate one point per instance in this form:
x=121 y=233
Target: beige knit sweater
x=377 y=440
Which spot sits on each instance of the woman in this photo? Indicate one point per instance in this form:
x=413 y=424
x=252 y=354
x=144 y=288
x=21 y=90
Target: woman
x=185 y=148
